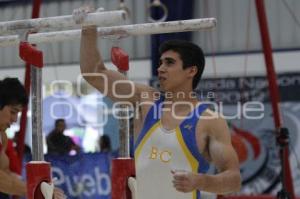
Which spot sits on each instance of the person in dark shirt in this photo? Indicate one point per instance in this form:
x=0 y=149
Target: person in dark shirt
x=105 y=144
x=57 y=142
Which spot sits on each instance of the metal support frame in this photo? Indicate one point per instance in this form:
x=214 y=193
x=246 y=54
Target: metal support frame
x=105 y=18
x=121 y=31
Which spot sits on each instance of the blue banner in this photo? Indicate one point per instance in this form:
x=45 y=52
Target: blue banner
x=82 y=176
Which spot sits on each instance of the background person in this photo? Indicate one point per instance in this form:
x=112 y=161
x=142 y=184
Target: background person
x=57 y=142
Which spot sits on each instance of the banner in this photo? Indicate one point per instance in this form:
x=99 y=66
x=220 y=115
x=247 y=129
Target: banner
x=253 y=88
x=235 y=89
x=82 y=176
x=258 y=151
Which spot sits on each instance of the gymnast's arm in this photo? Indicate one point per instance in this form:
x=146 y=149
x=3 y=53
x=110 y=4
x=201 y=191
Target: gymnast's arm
x=9 y=182
x=96 y=74
x=222 y=155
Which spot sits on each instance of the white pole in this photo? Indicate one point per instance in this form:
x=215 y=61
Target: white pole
x=122 y=31
x=105 y=18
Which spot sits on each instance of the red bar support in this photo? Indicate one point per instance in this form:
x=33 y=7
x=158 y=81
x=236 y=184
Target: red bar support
x=120 y=58
x=36 y=173
x=31 y=55
x=122 y=169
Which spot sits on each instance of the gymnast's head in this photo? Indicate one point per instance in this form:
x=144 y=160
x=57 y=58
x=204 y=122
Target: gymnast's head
x=180 y=55
x=12 y=99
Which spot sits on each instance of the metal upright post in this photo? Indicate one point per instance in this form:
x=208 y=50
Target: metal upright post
x=36 y=104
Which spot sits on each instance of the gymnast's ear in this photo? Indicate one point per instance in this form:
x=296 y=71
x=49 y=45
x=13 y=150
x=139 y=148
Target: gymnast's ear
x=193 y=70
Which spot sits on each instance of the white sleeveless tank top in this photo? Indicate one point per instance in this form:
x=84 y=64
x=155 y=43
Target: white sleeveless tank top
x=159 y=151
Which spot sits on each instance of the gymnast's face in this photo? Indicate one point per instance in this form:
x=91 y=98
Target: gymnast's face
x=9 y=115
x=172 y=77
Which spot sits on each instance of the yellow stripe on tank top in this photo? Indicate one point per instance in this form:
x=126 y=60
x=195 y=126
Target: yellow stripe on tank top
x=193 y=162
x=145 y=138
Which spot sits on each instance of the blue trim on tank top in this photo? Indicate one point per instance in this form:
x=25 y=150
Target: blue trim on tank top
x=188 y=131
x=152 y=117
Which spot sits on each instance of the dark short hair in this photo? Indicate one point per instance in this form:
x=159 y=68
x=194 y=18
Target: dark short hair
x=12 y=92
x=59 y=120
x=190 y=53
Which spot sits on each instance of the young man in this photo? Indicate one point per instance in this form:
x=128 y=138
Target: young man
x=12 y=99
x=174 y=140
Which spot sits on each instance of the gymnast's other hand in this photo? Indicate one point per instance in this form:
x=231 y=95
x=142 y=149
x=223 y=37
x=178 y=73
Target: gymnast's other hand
x=185 y=181
x=80 y=14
